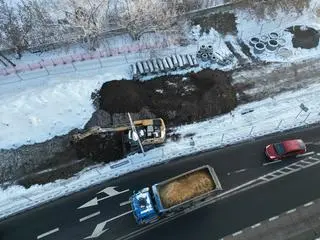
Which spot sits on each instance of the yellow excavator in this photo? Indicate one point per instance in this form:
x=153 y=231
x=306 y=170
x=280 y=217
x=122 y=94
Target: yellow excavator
x=145 y=131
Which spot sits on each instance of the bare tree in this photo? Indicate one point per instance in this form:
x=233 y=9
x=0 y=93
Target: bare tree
x=43 y=29
x=87 y=19
x=142 y=16
x=262 y=8
x=14 y=27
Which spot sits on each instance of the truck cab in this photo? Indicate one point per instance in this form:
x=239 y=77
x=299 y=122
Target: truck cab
x=142 y=205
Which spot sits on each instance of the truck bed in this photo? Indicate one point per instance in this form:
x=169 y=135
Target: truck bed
x=187 y=186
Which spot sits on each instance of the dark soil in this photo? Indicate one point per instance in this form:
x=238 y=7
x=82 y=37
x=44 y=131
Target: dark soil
x=304 y=38
x=176 y=99
x=222 y=22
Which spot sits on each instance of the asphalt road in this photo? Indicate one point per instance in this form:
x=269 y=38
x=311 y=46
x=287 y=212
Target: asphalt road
x=110 y=217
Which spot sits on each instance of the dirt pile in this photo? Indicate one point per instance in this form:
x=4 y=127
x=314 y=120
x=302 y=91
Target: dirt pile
x=304 y=37
x=177 y=99
x=183 y=189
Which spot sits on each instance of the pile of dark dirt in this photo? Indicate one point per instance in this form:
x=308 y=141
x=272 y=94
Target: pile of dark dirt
x=177 y=99
x=304 y=37
x=222 y=22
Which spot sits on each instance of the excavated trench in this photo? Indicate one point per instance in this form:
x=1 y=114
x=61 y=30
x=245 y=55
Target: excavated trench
x=178 y=99
x=304 y=37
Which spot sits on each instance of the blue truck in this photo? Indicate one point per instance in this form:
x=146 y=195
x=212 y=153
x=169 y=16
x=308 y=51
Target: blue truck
x=174 y=195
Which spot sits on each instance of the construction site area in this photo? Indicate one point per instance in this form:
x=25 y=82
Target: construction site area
x=161 y=102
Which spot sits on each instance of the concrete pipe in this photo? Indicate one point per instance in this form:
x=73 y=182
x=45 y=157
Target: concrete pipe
x=210 y=49
x=264 y=38
x=204 y=57
x=281 y=42
x=284 y=52
x=273 y=35
x=259 y=48
x=170 y=63
x=203 y=48
x=185 y=61
x=199 y=53
x=213 y=58
x=195 y=61
x=175 y=61
x=190 y=60
x=272 y=45
x=253 y=41
x=160 y=64
x=145 y=67
x=155 y=65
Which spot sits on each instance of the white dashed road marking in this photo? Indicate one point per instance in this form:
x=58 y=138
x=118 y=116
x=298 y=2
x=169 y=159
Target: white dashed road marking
x=273 y=218
x=256 y=225
x=291 y=211
x=308 y=204
x=241 y=170
x=124 y=203
x=89 y=216
x=48 y=233
x=237 y=233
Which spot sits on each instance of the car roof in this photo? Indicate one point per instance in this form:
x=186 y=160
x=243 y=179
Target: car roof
x=293 y=145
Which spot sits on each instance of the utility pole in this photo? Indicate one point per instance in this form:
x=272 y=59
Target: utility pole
x=134 y=131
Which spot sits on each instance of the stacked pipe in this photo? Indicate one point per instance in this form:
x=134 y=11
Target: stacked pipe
x=166 y=64
x=271 y=41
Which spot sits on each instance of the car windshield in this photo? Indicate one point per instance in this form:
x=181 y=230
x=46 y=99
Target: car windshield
x=279 y=148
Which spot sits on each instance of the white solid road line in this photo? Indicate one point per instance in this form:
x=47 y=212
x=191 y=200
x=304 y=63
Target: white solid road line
x=124 y=203
x=268 y=163
x=48 y=233
x=89 y=216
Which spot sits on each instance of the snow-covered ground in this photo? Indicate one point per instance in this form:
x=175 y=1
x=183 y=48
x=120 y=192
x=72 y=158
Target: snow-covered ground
x=213 y=133
x=249 y=27
x=34 y=109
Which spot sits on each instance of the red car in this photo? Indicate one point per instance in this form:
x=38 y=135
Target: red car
x=285 y=149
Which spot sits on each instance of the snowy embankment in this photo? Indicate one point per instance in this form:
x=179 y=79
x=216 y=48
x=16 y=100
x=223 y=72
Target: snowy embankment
x=39 y=109
x=269 y=116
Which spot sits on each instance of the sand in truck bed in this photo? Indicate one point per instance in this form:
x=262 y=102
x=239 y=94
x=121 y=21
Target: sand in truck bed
x=185 y=188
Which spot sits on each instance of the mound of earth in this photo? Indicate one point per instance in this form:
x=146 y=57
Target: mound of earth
x=304 y=37
x=177 y=99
